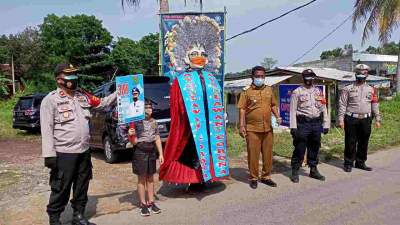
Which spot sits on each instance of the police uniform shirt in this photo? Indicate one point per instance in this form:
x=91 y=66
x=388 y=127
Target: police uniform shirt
x=64 y=122
x=135 y=109
x=308 y=102
x=358 y=99
x=258 y=103
x=146 y=130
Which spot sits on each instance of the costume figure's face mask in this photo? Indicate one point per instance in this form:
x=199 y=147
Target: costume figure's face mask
x=196 y=57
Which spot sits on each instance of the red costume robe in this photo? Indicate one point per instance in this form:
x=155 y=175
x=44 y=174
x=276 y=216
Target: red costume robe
x=180 y=132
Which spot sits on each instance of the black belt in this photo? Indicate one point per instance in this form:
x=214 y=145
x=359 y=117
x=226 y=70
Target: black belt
x=305 y=119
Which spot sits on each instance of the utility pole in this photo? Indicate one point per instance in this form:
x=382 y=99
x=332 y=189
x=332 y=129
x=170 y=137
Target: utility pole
x=398 y=73
x=12 y=73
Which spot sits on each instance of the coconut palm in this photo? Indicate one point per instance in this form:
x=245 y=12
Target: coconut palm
x=383 y=15
x=164 y=6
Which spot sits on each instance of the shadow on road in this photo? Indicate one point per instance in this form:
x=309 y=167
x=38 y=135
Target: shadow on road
x=181 y=191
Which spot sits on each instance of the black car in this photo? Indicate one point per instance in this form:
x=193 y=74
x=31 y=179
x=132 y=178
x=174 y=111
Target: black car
x=26 y=113
x=110 y=136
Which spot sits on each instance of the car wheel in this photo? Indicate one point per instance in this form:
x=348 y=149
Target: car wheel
x=109 y=154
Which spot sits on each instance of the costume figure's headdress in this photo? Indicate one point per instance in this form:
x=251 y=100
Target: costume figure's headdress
x=201 y=33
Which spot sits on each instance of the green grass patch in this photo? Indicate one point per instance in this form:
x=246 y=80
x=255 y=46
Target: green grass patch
x=7 y=178
x=333 y=143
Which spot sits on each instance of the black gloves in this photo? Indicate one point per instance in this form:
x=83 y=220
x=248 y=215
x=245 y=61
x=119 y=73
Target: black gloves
x=50 y=162
x=325 y=131
x=293 y=132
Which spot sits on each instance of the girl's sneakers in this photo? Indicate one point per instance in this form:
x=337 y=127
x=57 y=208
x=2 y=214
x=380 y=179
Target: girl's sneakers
x=145 y=209
x=154 y=209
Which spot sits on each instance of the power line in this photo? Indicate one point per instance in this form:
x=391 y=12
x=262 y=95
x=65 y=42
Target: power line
x=271 y=20
x=323 y=39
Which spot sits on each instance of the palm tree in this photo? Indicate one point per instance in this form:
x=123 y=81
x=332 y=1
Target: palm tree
x=381 y=14
x=164 y=6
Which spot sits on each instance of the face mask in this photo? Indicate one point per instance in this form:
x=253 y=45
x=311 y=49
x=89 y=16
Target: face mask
x=308 y=81
x=259 y=82
x=360 y=77
x=70 y=82
x=199 y=61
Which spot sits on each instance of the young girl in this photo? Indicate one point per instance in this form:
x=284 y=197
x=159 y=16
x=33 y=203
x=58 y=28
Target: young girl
x=146 y=139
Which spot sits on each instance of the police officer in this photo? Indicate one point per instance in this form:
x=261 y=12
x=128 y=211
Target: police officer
x=64 y=119
x=136 y=107
x=308 y=117
x=356 y=103
x=255 y=105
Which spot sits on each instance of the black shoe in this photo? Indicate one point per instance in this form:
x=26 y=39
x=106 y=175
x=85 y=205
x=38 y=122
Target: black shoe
x=154 y=209
x=314 y=173
x=79 y=219
x=268 y=182
x=347 y=168
x=54 y=220
x=253 y=184
x=295 y=176
x=362 y=166
x=144 y=211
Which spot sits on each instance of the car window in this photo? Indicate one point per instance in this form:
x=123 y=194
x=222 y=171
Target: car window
x=36 y=102
x=25 y=103
x=158 y=93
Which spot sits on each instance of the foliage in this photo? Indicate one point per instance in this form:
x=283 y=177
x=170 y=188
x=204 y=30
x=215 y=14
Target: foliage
x=3 y=85
x=382 y=14
x=136 y=56
x=268 y=63
x=244 y=73
x=390 y=48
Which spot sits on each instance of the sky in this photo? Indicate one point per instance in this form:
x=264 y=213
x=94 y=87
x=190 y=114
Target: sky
x=284 y=40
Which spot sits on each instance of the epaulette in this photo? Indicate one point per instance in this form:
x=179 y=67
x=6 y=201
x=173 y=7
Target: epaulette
x=247 y=87
x=53 y=92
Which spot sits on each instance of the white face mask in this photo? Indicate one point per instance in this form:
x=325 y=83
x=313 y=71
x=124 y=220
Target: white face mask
x=258 y=82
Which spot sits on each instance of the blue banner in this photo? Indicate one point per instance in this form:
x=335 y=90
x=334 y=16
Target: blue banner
x=285 y=92
x=192 y=94
x=168 y=21
x=130 y=98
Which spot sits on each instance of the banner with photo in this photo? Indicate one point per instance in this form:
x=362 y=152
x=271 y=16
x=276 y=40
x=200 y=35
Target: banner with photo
x=130 y=98
x=173 y=45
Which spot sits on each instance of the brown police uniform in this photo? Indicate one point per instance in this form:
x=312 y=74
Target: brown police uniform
x=258 y=103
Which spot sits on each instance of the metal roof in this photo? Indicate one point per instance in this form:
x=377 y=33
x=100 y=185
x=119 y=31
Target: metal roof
x=241 y=83
x=363 y=57
x=327 y=73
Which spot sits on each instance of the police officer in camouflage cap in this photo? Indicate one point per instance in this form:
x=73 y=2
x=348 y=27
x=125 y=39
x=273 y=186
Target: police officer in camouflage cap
x=358 y=104
x=64 y=120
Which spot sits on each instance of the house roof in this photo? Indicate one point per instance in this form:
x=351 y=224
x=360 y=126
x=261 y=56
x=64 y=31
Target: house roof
x=241 y=83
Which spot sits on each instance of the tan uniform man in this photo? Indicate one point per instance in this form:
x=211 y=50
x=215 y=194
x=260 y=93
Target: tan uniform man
x=357 y=102
x=308 y=118
x=256 y=104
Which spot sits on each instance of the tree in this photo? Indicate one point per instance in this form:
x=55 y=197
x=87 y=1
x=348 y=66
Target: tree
x=81 y=40
x=268 y=63
x=390 y=48
x=136 y=56
x=330 y=54
x=382 y=14
x=4 y=50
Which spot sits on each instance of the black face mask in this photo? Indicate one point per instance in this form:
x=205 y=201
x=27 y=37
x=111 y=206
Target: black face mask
x=70 y=82
x=308 y=82
x=361 y=77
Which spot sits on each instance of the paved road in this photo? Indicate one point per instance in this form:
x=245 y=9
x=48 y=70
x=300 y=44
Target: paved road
x=356 y=198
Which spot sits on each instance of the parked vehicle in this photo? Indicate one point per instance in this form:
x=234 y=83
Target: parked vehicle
x=26 y=113
x=111 y=137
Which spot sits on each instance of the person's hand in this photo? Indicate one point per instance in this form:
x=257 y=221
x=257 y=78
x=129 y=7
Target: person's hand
x=50 y=162
x=341 y=124
x=325 y=131
x=279 y=120
x=131 y=132
x=293 y=132
x=161 y=159
x=378 y=124
x=242 y=131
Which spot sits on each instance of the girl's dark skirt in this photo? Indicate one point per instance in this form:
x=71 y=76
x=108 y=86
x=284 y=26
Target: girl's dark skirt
x=144 y=159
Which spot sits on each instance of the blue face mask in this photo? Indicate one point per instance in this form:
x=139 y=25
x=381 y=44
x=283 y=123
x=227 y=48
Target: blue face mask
x=258 y=82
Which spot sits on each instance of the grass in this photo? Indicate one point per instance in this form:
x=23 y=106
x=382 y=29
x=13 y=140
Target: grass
x=333 y=143
x=7 y=178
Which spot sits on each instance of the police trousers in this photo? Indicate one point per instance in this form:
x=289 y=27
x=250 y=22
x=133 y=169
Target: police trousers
x=259 y=142
x=357 y=133
x=73 y=170
x=307 y=137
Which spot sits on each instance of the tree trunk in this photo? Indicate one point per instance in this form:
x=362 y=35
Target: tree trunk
x=164 y=6
x=398 y=73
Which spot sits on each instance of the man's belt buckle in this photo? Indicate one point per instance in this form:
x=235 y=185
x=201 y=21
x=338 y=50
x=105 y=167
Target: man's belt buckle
x=361 y=116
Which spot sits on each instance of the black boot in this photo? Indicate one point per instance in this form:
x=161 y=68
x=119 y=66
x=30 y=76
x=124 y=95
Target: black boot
x=362 y=166
x=54 y=219
x=295 y=175
x=314 y=173
x=79 y=219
